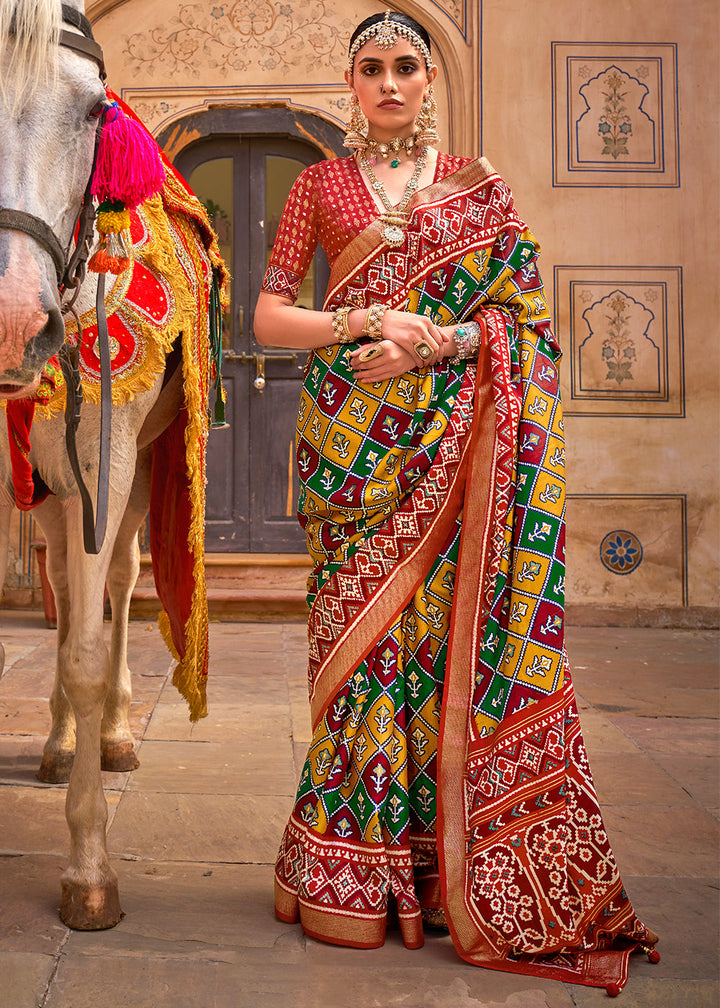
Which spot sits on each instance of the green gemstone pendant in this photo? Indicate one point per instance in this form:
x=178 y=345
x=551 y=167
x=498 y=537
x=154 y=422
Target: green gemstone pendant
x=395 y=163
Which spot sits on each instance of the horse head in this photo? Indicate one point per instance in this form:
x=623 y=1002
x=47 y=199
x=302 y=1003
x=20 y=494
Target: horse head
x=51 y=95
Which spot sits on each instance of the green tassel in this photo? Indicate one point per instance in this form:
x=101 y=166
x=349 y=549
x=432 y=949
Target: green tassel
x=217 y=417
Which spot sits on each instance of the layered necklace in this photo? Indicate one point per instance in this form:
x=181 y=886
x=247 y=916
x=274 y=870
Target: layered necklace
x=395 y=218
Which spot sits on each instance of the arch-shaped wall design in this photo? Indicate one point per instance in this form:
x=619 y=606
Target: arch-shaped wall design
x=249 y=120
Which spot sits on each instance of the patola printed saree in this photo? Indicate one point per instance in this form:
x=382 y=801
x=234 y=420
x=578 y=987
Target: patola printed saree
x=447 y=767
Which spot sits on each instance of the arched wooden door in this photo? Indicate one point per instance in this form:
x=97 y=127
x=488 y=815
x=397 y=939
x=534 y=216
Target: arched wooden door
x=252 y=482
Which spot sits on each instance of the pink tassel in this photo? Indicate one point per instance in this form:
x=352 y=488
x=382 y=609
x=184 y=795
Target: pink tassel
x=128 y=165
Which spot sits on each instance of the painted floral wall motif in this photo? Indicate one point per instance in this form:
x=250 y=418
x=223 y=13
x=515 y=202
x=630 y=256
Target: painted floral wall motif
x=614 y=115
x=238 y=37
x=622 y=329
x=618 y=347
x=615 y=126
x=619 y=351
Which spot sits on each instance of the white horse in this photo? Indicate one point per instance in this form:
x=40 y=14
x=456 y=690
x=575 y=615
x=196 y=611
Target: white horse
x=48 y=109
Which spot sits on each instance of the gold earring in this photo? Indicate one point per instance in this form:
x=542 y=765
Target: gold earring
x=427 y=120
x=356 y=136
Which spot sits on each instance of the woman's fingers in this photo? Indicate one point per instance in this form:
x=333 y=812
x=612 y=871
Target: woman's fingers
x=409 y=341
x=376 y=362
x=413 y=331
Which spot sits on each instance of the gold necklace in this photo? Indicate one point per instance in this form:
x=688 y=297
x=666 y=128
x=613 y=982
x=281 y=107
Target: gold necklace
x=394 y=146
x=395 y=218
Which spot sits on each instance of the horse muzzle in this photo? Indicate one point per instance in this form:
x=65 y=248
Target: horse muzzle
x=31 y=326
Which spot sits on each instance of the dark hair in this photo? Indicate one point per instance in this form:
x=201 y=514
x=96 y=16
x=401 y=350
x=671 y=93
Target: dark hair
x=397 y=16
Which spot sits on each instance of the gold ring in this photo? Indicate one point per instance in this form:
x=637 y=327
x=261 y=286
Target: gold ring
x=423 y=351
x=371 y=353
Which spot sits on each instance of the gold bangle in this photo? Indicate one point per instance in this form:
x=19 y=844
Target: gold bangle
x=341 y=329
x=374 y=321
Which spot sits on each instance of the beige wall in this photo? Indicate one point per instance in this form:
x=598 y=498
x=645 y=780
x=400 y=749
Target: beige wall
x=627 y=220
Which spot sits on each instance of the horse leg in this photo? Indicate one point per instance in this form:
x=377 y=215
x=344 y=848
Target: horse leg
x=117 y=743
x=90 y=898
x=118 y=748
x=59 y=751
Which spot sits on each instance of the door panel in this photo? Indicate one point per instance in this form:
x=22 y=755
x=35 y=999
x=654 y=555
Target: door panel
x=228 y=490
x=252 y=487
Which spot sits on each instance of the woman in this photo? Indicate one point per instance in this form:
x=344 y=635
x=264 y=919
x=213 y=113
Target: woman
x=447 y=771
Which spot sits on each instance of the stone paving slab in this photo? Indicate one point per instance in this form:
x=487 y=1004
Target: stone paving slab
x=696 y=736
x=199 y=827
x=601 y=735
x=686 y=914
x=658 y=840
x=195 y=910
x=25 y=978
x=22 y=715
x=248 y=721
x=699 y=776
x=259 y=766
x=653 y=993
x=29 y=920
x=166 y=983
x=636 y=779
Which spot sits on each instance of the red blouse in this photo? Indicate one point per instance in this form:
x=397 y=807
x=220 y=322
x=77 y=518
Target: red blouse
x=328 y=205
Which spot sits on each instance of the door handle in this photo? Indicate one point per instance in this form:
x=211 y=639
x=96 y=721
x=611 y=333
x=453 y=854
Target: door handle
x=259 y=381
x=259 y=360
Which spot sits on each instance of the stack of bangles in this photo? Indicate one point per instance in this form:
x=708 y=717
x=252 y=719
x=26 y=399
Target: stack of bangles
x=372 y=327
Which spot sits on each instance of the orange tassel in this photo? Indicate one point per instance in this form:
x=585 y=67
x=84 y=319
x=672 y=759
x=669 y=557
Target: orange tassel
x=100 y=261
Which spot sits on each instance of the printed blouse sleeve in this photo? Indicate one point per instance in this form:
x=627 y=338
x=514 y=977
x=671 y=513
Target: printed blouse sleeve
x=296 y=238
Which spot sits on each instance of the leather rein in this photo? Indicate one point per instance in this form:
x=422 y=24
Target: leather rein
x=70 y=272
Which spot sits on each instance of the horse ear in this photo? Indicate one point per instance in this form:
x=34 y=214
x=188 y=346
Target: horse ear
x=128 y=166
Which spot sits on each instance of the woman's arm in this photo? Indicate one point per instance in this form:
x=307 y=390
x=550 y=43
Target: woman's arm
x=279 y=323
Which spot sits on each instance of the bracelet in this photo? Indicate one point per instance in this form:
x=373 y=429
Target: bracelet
x=468 y=337
x=341 y=329
x=374 y=320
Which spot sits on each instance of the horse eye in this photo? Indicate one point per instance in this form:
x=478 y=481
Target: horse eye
x=97 y=110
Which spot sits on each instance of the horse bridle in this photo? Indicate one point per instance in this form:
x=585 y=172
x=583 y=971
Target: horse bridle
x=70 y=272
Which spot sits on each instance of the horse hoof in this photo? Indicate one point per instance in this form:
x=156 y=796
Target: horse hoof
x=55 y=768
x=119 y=757
x=90 y=908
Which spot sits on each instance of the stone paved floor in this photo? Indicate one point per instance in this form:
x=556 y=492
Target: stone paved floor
x=193 y=834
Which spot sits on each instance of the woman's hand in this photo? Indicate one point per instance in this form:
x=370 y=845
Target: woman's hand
x=388 y=360
x=406 y=331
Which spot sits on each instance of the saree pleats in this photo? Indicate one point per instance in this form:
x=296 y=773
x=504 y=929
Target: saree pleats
x=447 y=767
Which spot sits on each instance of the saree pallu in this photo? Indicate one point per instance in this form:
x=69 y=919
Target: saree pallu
x=447 y=767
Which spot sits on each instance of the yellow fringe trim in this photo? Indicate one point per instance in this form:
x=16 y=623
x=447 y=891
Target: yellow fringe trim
x=196 y=350
x=196 y=361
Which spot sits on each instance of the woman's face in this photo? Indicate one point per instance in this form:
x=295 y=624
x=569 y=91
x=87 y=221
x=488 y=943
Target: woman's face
x=390 y=85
